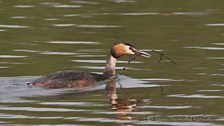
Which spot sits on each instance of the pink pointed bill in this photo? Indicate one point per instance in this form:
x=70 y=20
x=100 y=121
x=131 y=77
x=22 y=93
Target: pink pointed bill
x=143 y=54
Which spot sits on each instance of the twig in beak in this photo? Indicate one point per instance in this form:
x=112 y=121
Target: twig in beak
x=145 y=54
x=161 y=56
x=129 y=61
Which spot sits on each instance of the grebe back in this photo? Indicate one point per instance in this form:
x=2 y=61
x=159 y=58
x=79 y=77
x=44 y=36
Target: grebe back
x=76 y=79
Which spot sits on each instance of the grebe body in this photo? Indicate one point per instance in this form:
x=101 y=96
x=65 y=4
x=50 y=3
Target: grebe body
x=77 y=79
x=68 y=79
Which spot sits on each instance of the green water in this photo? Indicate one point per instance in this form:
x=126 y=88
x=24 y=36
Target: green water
x=38 y=37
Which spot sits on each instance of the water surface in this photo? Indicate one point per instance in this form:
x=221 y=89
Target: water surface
x=38 y=37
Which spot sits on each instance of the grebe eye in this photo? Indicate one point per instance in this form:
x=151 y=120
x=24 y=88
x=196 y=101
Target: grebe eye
x=131 y=48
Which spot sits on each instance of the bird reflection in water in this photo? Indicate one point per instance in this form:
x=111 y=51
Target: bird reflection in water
x=119 y=105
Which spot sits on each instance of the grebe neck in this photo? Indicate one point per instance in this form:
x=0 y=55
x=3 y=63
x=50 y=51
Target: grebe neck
x=110 y=66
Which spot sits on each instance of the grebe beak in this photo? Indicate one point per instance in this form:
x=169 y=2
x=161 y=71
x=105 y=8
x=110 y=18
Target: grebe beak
x=142 y=53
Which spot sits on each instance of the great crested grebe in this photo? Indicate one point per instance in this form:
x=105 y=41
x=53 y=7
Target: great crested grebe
x=76 y=79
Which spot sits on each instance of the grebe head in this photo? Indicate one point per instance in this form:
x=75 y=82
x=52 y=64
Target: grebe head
x=120 y=49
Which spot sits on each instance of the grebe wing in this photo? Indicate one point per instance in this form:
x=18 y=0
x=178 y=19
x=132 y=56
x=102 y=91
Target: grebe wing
x=68 y=79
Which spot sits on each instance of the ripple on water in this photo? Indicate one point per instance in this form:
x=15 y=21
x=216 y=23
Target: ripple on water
x=19 y=17
x=23 y=6
x=216 y=74
x=11 y=63
x=2 y=30
x=195 y=96
x=140 y=14
x=63 y=25
x=216 y=25
x=59 y=5
x=11 y=116
x=106 y=120
x=222 y=85
x=12 y=56
x=70 y=103
x=220 y=119
x=205 y=48
x=89 y=50
x=84 y=55
x=1 y=122
x=201 y=74
x=49 y=3
x=66 y=6
x=35 y=109
x=4 y=67
x=218 y=43
x=191 y=13
x=102 y=61
x=126 y=112
x=173 y=13
x=57 y=53
x=162 y=80
x=98 y=26
x=124 y=1
x=209 y=90
x=71 y=15
x=193 y=118
x=13 y=26
x=65 y=103
x=162 y=121
x=215 y=58
x=25 y=50
x=199 y=68
x=85 y=26
x=85 y=2
x=166 y=107
x=72 y=42
x=51 y=19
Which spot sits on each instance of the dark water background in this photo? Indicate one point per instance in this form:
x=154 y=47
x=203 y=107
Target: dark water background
x=43 y=36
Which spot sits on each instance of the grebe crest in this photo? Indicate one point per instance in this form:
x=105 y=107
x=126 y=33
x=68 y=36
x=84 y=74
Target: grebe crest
x=76 y=79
